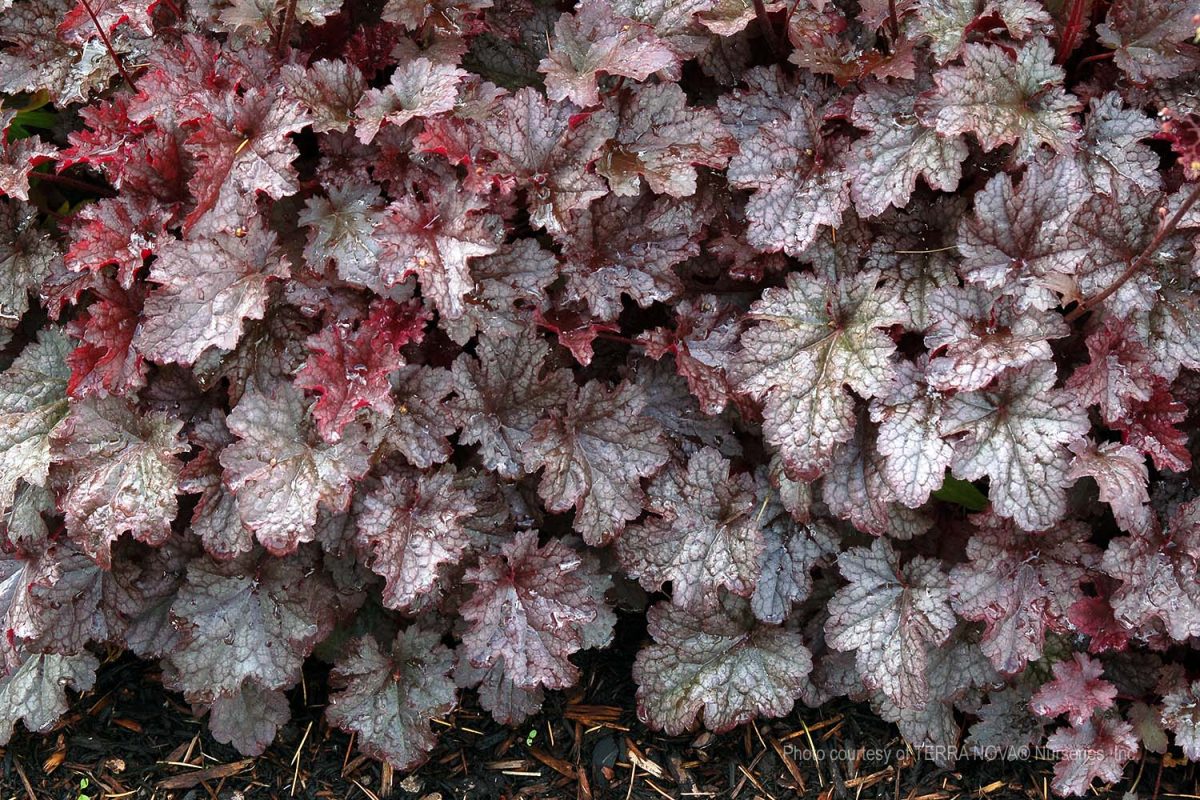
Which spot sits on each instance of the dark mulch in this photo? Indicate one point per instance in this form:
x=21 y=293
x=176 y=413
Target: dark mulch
x=130 y=738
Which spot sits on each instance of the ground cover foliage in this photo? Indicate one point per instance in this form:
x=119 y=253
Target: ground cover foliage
x=854 y=343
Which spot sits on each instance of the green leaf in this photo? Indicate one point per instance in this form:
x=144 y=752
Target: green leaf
x=961 y=493
x=25 y=122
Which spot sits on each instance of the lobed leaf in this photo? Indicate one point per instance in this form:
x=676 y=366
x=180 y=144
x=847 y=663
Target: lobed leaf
x=724 y=668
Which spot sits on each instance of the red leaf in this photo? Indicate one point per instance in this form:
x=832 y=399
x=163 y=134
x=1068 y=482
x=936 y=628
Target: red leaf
x=349 y=370
x=1077 y=691
x=1150 y=427
x=1183 y=132
x=77 y=25
x=1094 y=616
x=242 y=148
x=121 y=230
x=105 y=361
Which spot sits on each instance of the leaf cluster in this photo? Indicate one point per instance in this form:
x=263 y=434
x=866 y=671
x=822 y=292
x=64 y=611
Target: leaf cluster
x=854 y=344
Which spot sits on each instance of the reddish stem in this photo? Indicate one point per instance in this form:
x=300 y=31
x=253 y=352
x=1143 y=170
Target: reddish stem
x=1097 y=57
x=285 y=27
x=787 y=21
x=893 y=20
x=612 y=337
x=1072 y=30
x=65 y=180
x=1164 y=230
x=769 y=33
x=107 y=44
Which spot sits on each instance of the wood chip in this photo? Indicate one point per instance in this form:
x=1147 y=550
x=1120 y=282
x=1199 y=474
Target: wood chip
x=585 y=787
x=189 y=780
x=54 y=761
x=867 y=781
x=679 y=771
x=788 y=763
x=24 y=780
x=643 y=763
x=591 y=715
x=555 y=763
x=178 y=753
x=753 y=780
x=807 y=730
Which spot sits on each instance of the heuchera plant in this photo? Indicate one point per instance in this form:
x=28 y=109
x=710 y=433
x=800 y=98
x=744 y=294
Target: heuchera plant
x=856 y=344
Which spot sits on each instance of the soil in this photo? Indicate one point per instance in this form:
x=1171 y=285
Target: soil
x=130 y=738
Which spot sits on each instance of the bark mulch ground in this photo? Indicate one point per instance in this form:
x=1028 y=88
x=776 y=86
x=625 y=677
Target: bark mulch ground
x=130 y=738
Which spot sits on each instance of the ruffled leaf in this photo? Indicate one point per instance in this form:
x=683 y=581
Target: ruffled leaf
x=388 y=697
x=812 y=340
x=1015 y=433
x=891 y=617
x=531 y=608
x=724 y=668
x=593 y=456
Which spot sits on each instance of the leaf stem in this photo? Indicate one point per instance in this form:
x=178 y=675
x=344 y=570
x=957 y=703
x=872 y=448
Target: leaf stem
x=769 y=33
x=286 y=23
x=787 y=21
x=174 y=9
x=1164 y=230
x=612 y=337
x=107 y=44
x=74 y=183
x=893 y=20
x=1071 y=32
